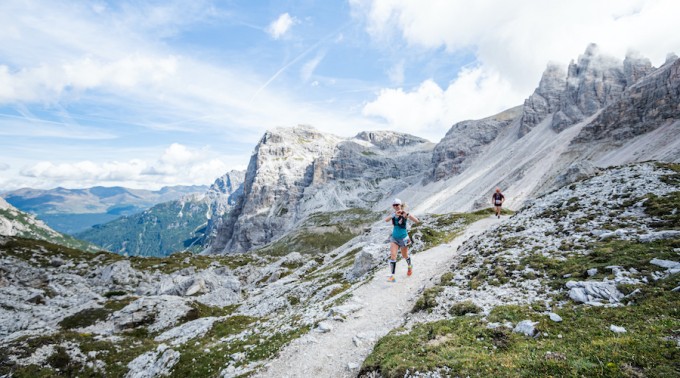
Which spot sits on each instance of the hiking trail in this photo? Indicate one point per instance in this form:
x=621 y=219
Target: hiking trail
x=341 y=351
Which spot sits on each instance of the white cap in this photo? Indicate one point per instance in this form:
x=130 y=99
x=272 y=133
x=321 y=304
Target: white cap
x=396 y=201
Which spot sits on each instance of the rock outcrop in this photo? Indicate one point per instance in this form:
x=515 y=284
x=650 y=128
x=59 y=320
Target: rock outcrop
x=593 y=82
x=546 y=98
x=297 y=171
x=651 y=102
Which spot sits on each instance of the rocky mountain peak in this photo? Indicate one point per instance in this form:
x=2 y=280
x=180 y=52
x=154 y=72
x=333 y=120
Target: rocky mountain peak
x=545 y=99
x=649 y=103
x=635 y=67
x=593 y=82
x=297 y=171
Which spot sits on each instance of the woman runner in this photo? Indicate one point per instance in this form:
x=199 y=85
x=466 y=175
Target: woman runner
x=399 y=237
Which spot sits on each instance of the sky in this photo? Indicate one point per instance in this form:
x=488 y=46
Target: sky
x=146 y=94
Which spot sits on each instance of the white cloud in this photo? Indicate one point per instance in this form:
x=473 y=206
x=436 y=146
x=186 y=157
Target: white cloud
x=47 y=83
x=427 y=109
x=513 y=42
x=279 y=27
x=4 y=167
x=178 y=164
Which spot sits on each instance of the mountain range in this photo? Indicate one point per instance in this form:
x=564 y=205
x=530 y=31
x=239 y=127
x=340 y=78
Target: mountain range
x=581 y=280
x=74 y=210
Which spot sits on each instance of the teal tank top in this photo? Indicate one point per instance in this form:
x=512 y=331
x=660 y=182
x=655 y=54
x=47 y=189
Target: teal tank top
x=399 y=230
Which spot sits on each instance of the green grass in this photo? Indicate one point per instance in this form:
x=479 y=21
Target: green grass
x=205 y=357
x=40 y=253
x=84 y=318
x=442 y=228
x=664 y=208
x=116 y=356
x=321 y=233
x=428 y=300
x=182 y=260
x=208 y=356
x=586 y=348
x=624 y=253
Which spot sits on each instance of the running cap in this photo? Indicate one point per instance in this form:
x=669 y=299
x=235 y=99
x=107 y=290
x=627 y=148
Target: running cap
x=396 y=201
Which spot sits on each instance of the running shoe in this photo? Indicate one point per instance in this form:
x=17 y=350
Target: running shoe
x=410 y=270
x=391 y=279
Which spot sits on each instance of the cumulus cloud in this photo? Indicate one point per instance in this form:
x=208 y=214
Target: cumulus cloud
x=46 y=83
x=4 y=167
x=178 y=164
x=512 y=43
x=279 y=27
x=425 y=109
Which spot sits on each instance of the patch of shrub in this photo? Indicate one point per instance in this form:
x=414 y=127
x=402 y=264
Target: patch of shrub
x=464 y=307
x=84 y=318
x=428 y=300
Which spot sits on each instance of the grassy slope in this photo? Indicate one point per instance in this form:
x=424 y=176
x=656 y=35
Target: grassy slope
x=581 y=345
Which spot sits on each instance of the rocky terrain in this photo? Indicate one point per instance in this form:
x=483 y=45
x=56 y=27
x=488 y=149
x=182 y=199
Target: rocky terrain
x=587 y=264
x=581 y=281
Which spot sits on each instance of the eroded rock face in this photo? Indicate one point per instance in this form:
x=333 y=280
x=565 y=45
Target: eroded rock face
x=296 y=171
x=649 y=103
x=593 y=82
x=545 y=99
x=223 y=194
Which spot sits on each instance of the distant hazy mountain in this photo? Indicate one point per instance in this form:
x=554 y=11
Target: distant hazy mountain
x=14 y=222
x=170 y=226
x=74 y=210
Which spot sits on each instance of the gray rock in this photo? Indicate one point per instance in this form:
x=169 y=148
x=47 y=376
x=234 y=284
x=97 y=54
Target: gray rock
x=363 y=263
x=324 y=327
x=283 y=182
x=575 y=172
x=620 y=233
x=526 y=327
x=591 y=84
x=157 y=313
x=187 y=331
x=592 y=272
x=659 y=235
x=153 y=364
x=593 y=291
x=466 y=140
x=617 y=329
x=545 y=99
x=554 y=317
x=646 y=105
x=668 y=264
x=119 y=274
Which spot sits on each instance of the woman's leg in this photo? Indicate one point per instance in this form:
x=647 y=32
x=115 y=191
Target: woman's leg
x=393 y=256
x=404 y=254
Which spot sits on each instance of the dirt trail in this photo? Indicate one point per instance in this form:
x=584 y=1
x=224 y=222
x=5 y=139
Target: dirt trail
x=340 y=352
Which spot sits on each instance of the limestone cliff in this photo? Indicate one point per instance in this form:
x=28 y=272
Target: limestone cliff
x=294 y=172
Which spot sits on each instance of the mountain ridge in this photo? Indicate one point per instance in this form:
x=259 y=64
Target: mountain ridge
x=73 y=210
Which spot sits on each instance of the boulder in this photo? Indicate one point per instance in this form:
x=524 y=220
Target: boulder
x=154 y=363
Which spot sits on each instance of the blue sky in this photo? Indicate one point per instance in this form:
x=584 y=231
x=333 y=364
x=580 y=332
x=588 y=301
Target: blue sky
x=151 y=93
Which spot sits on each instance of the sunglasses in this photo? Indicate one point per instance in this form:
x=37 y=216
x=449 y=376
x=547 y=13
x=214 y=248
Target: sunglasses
x=396 y=204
